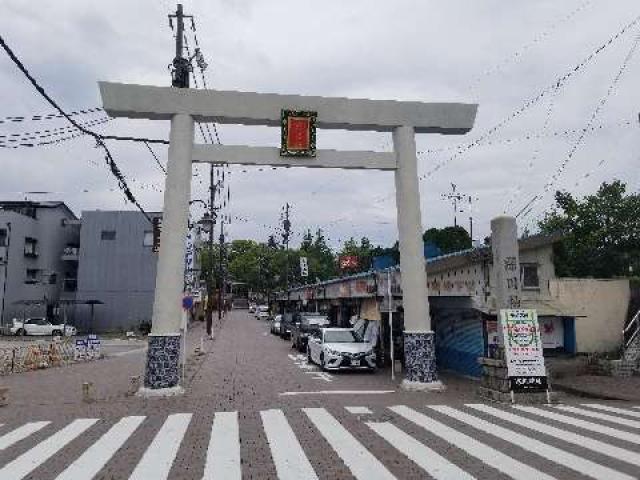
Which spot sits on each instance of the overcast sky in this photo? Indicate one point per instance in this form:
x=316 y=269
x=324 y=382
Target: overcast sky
x=496 y=53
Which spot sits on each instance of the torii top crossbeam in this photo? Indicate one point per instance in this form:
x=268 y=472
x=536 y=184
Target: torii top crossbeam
x=249 y=108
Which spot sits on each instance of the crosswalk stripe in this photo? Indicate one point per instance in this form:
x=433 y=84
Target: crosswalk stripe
x=358 y=410
x=357 y=458
x=569 y=437
x=32 y=459
x=584 y=424
x=557 y=455
x=607 y=408
x=431 y=462
x=96 y=456
x=158 y=458
x=20 y=433
x=481 y=451
x=288 y=456
x=223 y=454
x=599 y=416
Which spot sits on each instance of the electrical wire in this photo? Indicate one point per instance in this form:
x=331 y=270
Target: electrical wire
x=526 y=209
x=115 y=170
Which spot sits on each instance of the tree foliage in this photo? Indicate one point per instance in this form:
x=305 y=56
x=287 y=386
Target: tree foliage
x=601 y=232
x=448 y=239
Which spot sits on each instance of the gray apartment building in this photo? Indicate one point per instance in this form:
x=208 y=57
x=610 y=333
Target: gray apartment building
x=38 y=258
x=117 y=266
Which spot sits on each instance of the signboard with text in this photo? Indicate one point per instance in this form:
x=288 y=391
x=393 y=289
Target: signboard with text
x=304 y=267
x=298 y=129
x=523 y=349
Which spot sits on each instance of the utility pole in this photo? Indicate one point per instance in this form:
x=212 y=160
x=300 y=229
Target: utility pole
x=5 y=262
x=210 y=283
x=454 y=197
x=181 y=65
x=286 y=224
x=221 y=272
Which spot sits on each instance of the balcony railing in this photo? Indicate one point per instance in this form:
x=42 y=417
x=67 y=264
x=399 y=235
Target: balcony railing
x=70 y=254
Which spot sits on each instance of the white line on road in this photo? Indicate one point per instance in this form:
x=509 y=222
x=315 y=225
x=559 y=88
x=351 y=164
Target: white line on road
x=363 y=465
x=584 y=424
x=599 y=416
x=288 y=456
x=438 y=467
x=223 y=455
x=358 y=410
x=550 y=452
x=20 y=433
x=338 y=392
x=607 y=408
x=481 y=451
x=96 y=456
x=157 y=460
x=569 y=437
x=32 y=459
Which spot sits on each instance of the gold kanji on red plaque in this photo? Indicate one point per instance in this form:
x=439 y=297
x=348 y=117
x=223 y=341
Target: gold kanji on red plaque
x=298 y=133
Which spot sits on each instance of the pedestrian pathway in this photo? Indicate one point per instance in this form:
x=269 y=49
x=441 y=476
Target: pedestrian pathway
x=369 y=442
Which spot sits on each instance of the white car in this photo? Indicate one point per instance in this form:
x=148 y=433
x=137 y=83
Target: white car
x=40 y=326
x=340 y=348
x=262 y=312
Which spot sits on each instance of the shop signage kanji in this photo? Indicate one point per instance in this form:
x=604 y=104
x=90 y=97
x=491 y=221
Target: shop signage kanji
x=298 y=133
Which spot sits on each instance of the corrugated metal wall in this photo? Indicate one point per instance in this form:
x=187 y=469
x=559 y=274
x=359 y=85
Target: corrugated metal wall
x=459 y=341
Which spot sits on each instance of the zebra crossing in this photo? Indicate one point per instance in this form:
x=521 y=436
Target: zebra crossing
x=590 y=440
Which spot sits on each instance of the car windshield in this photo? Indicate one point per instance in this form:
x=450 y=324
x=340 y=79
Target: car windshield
x=341 y=336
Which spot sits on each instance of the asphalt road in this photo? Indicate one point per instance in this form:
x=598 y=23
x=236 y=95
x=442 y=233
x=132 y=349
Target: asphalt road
x=255 y=409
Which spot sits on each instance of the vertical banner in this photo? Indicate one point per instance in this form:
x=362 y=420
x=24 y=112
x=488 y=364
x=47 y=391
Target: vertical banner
x=304 y=267
x=523 y=350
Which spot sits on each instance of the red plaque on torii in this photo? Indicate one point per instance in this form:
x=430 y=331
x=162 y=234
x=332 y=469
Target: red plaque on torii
x=298 y=133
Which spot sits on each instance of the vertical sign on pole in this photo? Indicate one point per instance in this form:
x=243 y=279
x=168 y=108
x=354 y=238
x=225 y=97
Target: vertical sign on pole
x=304 y=267
x=393 y=366
x=523 y=350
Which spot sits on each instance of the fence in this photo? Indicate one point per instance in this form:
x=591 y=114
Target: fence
x=34 y=356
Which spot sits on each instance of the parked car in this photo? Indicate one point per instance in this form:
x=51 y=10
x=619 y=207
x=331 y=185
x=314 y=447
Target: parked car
x=275 y=324
x=304 y=324
x=262 y=313
x=40 y=326
x=286 y=325
x=340 y=348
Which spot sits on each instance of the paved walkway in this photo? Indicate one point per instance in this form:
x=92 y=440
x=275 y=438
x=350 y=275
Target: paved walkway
x=595 y=386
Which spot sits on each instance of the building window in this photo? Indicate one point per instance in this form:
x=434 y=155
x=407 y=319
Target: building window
x=32 y=276
x=108 y=235
x=30 y=247
x=3 y=237
x=529 y=275
x=147 y=240
x=53 y=279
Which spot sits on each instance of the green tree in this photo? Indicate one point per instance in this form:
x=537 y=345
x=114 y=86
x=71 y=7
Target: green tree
x=601 y=232
x=448 y=239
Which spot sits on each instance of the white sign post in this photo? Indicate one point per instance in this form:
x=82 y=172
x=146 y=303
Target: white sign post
x=523 y=350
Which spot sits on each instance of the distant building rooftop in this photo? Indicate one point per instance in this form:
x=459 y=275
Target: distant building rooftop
x=29 y=208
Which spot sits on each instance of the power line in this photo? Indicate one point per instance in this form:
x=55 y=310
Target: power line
x=584 y=132
x=115 y=170
x=47 y=116
x=558 y=83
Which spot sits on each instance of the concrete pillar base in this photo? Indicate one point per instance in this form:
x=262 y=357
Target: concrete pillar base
x=163 y=362
x=420 y=361
x=159 y=392
x=410 y=386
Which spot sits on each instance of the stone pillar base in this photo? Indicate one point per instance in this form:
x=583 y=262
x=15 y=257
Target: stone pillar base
x=420 y=362
x=163 y=362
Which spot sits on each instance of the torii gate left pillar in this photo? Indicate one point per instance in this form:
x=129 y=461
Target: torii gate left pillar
x=184 y=106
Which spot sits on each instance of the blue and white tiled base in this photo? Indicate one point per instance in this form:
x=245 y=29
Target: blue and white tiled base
x=420 y=362
x=163 y=364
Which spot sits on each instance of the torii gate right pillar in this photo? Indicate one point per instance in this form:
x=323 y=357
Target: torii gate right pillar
x=419 y=341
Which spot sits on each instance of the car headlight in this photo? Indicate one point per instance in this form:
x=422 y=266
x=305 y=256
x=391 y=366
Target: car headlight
x=368 y=353
x=335 y=353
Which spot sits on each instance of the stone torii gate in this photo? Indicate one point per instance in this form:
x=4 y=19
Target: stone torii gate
x=183 y=107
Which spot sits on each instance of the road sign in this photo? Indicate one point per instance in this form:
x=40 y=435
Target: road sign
x=187 y=302
x=304 y=267
x=157 y=228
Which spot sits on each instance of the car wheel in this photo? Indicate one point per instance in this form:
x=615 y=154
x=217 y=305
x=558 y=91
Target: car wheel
x=20 y=332
x=56 y=333
x=309 y=360
x=293 y=342
x=322 y=366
